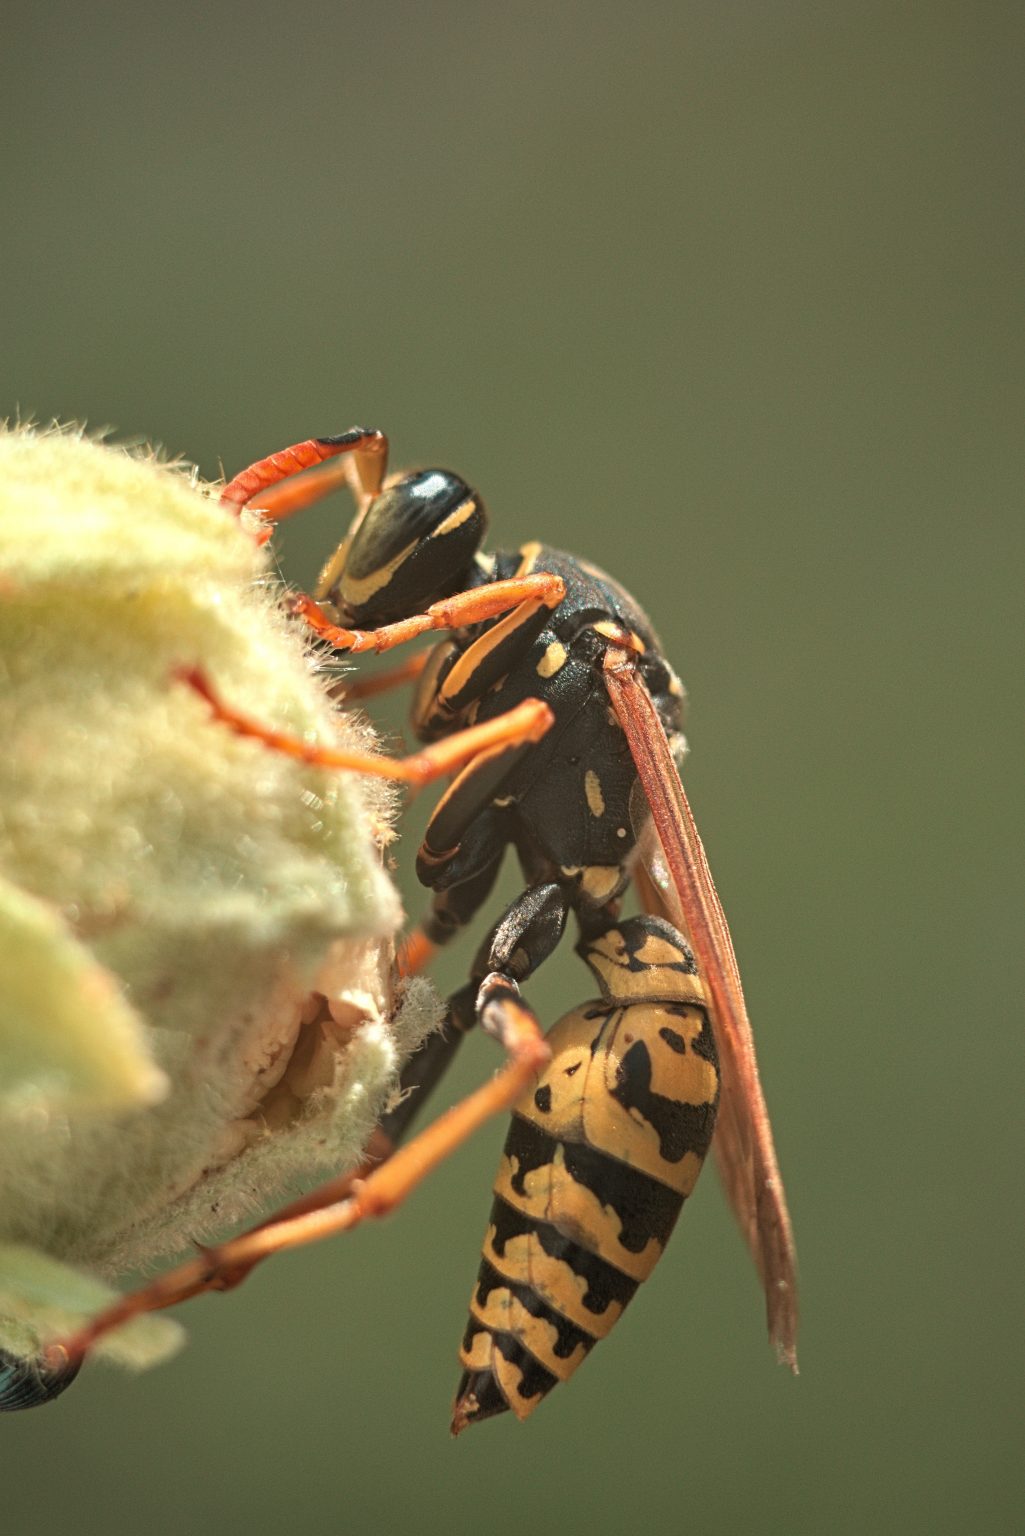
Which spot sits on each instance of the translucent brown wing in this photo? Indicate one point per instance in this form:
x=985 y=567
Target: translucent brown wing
x=743 y=1137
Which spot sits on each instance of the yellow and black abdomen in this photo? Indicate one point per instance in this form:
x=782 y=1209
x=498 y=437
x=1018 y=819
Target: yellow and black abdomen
x=599 y=1159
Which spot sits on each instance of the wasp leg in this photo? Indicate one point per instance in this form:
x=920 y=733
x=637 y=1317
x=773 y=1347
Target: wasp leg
x=503 y=1015
x=520 y=941
x=456 y=612
x=527 y=933
x=467 y=675
x=528 y=722
x=466 y=833
x=523 y=938
x=415 y=952
x=369 y=450
x=418 y=1079
x=420 y=1075
x=464 y=880
x=348 y=690
x=465 y=821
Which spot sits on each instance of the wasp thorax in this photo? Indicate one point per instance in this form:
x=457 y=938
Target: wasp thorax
x=415 y=545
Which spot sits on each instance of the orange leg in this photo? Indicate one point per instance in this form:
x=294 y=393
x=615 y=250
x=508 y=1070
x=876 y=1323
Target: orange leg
x=415 y=953
x=370 y=457
x=348 y=689
x=295 y=495
x=455 y=612
x=377 y=1150
x=342 y=1204
x=527 y=722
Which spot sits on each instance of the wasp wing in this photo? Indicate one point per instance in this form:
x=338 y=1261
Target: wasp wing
x=743 y=1137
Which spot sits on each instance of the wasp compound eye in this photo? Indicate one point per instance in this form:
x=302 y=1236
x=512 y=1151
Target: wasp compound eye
x=28 y=1383
x=415 y=545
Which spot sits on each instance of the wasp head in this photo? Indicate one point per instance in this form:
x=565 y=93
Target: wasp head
x=414 y=545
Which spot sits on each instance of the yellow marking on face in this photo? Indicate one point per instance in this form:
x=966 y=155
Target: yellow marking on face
x=528 y=558
x=525 y=1260
x=455 y=519
x=592 y=789
x=599 y=881
x=485 y=563
x=553 y=659
x=551 y=1194
x=501 y=801
x=331 y=573
x=505 y=1313
x=354 y=593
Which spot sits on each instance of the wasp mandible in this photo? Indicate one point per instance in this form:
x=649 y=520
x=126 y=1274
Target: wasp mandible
x=551 y=703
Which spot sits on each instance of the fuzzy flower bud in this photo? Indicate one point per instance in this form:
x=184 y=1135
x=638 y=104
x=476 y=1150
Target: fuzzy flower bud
x=195 y=931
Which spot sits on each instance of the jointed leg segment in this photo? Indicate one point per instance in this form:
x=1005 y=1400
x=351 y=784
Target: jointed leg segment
x=390 y=1172
x=352 y=690
x=322 y=1214
x=527 y=722
x=456 y=612
x=369 y=450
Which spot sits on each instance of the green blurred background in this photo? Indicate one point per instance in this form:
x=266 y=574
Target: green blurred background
x=728 y=297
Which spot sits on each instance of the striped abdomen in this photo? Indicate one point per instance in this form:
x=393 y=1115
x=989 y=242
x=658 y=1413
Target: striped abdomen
x=599 y=1159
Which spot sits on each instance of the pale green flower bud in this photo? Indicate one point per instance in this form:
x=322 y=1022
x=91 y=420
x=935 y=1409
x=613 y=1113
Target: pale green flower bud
x=195 y=931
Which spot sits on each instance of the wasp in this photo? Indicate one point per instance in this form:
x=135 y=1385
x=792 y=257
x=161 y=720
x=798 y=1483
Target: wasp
x=552 y=710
